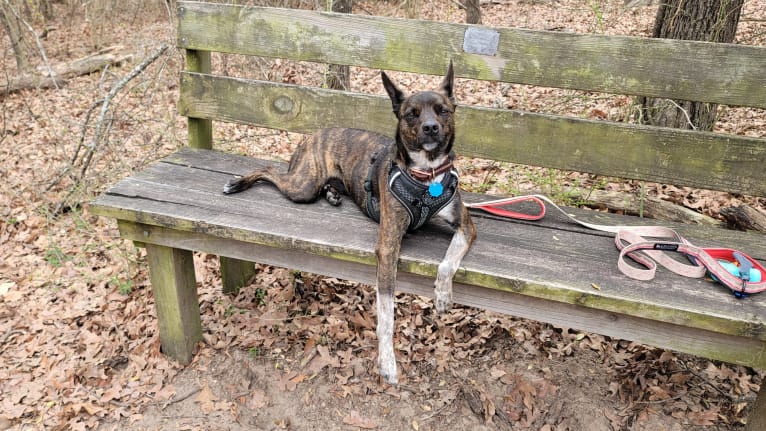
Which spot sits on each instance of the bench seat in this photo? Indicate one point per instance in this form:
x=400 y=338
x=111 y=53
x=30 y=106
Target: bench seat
x=552 y=270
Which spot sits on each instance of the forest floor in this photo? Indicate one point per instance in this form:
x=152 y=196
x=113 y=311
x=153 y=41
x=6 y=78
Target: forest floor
x=79 y=346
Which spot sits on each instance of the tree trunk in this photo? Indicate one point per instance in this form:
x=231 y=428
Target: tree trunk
x=412 y=8
x=705 y=20
x=338 y=75
x=472 y=12
x=22 y=48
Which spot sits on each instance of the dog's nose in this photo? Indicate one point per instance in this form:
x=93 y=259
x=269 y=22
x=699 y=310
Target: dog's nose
x=430 y=128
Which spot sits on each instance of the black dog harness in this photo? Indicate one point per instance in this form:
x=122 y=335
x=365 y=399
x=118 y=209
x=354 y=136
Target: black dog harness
x=420 y=200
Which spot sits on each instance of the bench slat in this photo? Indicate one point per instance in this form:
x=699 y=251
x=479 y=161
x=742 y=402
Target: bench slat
x=720 y=73
x=547 y=261
x=672 y=156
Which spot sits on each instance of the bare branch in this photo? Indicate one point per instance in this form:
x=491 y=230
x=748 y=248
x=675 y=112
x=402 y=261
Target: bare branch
x=101 y=127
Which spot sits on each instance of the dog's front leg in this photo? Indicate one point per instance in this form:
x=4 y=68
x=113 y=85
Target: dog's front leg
x=387 y=249
x=465 y=233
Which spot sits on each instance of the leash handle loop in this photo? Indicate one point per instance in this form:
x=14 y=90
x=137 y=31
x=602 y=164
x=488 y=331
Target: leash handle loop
x=493 y=207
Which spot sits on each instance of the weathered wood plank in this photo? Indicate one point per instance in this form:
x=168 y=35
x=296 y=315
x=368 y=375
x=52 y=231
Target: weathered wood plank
x=200 y=130
x=756 y=421
x=233 y=165
x=549 y=261
x=680 y=157
x=611 y=64
x=235 y=273
x=740 y=350
x=171 y=271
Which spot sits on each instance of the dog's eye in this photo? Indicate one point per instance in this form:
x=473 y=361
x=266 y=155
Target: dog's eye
x=412 y=114
x=442 y=110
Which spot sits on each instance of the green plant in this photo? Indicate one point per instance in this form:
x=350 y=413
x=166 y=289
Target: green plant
x=598 y=14
x=260 y=296
x=123 y=286
x=55 y=256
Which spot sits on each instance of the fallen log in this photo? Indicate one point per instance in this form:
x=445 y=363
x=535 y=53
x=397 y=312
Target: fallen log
x=744 y=217
x=649 y=206
x=64 y=71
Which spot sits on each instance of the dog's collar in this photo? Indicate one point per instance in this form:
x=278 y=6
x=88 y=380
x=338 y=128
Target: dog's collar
x=423 y=176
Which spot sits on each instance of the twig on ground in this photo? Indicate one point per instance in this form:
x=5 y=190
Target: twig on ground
x=180 y=398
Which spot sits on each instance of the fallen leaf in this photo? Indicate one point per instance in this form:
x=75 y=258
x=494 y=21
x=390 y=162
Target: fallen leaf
x=708 y=417
x=496 y=373
x=206 y=399
x=5 y=287
x=257 y=400
x=354 y=419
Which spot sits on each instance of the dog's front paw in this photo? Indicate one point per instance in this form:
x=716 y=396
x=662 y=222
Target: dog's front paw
x=387 y=369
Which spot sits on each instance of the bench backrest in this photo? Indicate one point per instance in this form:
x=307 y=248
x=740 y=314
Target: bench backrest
x=698 y=71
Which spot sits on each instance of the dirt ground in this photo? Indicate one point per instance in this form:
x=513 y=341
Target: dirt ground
x=79 y=347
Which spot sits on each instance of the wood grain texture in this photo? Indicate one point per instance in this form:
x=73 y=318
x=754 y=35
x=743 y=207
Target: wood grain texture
x=714 y=345
x=175 y=295
x=756 y=420
x=612 y=64
x=200 y=130
x=669 y=156
x=235 y=273
x=554 y=261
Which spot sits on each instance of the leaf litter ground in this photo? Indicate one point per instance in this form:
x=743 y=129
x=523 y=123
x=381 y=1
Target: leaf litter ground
x=80 y=348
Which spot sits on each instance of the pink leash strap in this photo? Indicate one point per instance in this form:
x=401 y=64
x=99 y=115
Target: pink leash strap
x=704 y=260
x=633 y=243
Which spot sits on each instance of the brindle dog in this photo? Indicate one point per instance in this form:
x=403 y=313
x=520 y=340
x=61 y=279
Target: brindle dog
x=401 y=183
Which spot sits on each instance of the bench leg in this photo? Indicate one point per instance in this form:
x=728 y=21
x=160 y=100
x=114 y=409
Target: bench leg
x=757 y=419
x=235 y=273
x=175 y=294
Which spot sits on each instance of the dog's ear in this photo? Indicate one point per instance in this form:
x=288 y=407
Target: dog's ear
x=396 y=95
x=448 y=83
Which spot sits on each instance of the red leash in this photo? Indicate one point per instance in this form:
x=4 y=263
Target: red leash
x=494 y=207
x=742 y=274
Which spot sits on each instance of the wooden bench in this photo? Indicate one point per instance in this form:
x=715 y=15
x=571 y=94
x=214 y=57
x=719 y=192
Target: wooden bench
x=539 y=270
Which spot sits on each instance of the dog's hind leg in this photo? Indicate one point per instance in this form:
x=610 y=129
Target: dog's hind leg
x=303 y=181
x=294 y=185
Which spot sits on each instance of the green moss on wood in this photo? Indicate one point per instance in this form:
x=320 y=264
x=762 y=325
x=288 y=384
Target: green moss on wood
x=611 y=64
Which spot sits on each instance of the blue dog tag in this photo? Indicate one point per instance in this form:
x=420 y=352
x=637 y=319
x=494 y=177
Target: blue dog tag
x=435 y=189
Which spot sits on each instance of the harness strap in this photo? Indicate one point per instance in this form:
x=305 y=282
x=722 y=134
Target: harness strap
x=414 y=196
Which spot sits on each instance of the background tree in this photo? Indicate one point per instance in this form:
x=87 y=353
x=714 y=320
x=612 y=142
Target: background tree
x=10 y=14
x=472 y=12
x=338 y=75
x=705 y=20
